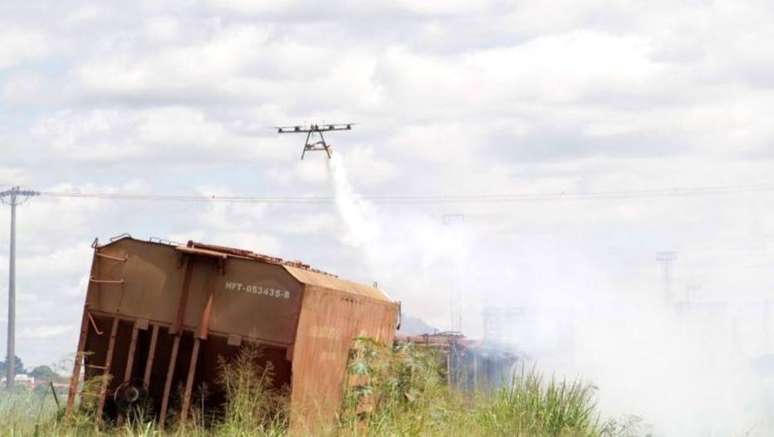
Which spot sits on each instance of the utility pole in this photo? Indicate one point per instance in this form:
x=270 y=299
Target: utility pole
x=666 y=259
x=12 y=197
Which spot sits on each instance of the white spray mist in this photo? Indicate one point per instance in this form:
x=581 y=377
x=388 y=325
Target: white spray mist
x=682 y=377
x=401 y=249
x=357 y=215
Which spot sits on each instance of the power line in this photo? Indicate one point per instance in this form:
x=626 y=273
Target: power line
x=430 y=199
x=188 y=198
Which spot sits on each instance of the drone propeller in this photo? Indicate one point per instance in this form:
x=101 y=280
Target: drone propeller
x=315 y=129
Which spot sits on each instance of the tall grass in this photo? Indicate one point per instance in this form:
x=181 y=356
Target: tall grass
x=389 y=391
x=22 y=411
x=252 y=407
x=530 y=407
x=401 y=392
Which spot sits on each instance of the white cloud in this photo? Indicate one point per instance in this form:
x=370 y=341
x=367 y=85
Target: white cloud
x=41 y=332
x=18 y=45
x=163 y=133
x=25 y=88
x=216 y=54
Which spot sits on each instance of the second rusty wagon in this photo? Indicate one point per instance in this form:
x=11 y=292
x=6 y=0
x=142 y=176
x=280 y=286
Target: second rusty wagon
x=158 y=315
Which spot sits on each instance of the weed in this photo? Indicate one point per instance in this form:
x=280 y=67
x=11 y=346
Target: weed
x=389 y=391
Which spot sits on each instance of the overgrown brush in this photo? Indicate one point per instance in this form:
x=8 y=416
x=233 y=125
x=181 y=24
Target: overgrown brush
x=389 y=391
x=253 y=407
x=401 y=391
x=23 y=411
x=530 y=407
x=392 y=391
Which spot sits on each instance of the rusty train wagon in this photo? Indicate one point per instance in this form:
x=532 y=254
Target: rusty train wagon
x=158 y=316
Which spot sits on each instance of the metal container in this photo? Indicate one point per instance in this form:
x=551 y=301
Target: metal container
x=158 y=316
x=471 y=365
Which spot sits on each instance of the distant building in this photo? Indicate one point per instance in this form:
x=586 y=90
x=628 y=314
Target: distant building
x=21 y=380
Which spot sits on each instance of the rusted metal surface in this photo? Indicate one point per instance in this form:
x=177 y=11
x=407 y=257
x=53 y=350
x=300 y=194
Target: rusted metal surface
x=183 y=301
x=246 y=254
x=168 y=381
x=190 y=380
x=330 y=320
x=94 y=324
x=439 y=340
x=312 y=278
x=130 y=358
x=78 y=360
x=151 y=355
x=108 y=364
x=204 y=326
x=189 y=305
x=113 y=258
x=470 y=364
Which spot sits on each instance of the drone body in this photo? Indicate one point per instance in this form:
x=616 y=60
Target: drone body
x=310 y=145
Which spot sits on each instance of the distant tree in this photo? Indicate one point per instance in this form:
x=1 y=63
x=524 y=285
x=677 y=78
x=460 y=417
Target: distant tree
x=45 y=373
x=19 y=366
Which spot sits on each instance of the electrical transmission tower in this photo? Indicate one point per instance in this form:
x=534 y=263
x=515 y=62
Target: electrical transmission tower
x=14 y=197
x=666 y=259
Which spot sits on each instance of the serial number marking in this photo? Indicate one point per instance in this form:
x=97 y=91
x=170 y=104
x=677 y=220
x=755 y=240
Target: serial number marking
x=257 y=289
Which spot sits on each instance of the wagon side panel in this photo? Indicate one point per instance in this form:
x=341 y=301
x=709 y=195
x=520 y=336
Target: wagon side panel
x=329 y=322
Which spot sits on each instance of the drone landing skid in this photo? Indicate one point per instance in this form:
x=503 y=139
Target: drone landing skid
x=317 y=148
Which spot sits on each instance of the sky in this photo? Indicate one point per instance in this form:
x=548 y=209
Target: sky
x=451 y=98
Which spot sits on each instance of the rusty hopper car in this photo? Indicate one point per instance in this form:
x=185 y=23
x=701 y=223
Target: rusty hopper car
x=158 y=316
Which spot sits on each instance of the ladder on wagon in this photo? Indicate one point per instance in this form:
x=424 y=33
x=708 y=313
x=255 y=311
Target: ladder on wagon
x=88 y=320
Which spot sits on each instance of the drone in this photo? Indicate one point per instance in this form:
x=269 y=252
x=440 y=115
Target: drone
x=315 y=129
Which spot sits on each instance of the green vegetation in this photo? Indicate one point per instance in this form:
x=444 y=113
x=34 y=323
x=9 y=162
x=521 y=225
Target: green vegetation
x=402 y=393
x=18 y=366
x=45 y=373
x=390 y=392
